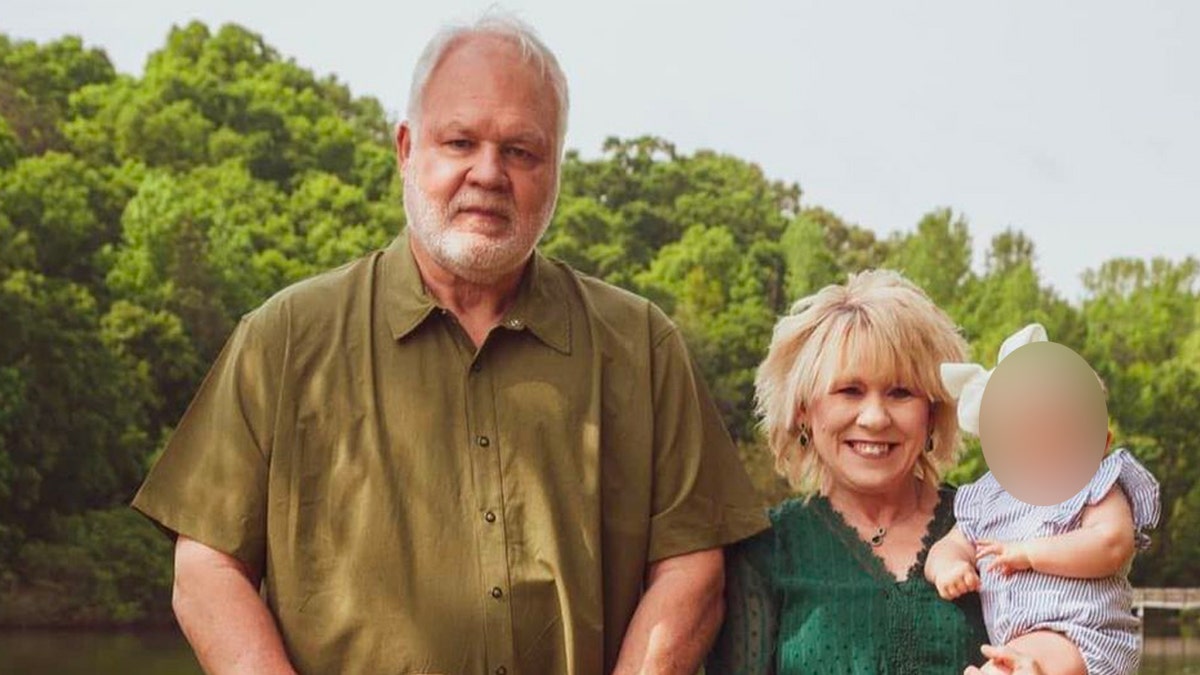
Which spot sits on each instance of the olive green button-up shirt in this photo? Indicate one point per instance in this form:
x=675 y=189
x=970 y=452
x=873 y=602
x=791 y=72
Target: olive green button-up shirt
x=418 y=505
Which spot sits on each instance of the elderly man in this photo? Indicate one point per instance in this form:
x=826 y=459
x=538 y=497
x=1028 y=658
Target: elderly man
x=455 y=455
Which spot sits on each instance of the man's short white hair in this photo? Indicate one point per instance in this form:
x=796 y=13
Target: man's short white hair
x=496 y=23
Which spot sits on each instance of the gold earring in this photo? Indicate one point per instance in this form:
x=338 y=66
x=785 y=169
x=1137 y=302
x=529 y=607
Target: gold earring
x=929 y=443
x=805 y=435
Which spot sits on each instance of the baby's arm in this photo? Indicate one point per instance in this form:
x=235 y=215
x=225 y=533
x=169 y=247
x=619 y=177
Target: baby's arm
x=950 y=565
x=1099 y=548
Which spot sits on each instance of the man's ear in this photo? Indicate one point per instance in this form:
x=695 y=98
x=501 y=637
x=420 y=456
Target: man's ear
x=404 y=139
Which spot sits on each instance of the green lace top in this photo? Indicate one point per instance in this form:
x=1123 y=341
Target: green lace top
x=810 y=596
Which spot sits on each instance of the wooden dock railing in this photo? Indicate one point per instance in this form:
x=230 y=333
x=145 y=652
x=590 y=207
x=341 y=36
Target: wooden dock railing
x=1178 y=599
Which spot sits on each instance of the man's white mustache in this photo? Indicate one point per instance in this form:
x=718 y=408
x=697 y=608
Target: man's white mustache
x=503 y=208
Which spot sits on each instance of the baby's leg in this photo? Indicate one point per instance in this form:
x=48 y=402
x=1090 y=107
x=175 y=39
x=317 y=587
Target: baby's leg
x=1053 y=652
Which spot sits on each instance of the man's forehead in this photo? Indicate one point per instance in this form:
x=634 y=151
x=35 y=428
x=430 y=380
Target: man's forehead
x=483 y=61
x=511 y=127
x=487 y=80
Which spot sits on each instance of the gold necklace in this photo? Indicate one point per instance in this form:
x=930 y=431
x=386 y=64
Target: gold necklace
x=881 y=532
x=877 y=538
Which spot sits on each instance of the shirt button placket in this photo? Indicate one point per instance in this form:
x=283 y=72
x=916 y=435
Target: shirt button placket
x=488 y=475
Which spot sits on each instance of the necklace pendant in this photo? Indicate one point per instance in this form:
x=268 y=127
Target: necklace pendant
x=877 y=538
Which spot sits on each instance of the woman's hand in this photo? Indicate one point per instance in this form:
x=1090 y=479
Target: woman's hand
x=1009 y=556
x=1006 y=661
x=956 y=578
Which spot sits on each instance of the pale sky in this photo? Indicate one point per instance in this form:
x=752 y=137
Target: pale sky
x=1075 y=122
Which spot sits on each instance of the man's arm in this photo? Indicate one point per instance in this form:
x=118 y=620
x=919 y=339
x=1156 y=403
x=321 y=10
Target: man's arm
x=216 y=600
x=678 y=616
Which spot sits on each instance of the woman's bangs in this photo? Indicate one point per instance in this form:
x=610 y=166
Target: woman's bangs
x=869 y=351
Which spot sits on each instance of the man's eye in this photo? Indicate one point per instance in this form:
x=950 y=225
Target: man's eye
x=519 y=153
x=459 y=143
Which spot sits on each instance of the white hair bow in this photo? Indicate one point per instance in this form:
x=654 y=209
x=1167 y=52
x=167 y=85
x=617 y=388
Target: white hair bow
x=966 y=381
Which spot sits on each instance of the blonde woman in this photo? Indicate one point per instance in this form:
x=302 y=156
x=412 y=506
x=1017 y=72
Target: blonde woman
x=854 y=410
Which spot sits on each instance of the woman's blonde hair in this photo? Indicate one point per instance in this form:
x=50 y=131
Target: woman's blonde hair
x=879 y=322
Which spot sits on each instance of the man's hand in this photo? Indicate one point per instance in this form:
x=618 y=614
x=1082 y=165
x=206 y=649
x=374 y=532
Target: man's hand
x=956 y=578
x=1009 y=557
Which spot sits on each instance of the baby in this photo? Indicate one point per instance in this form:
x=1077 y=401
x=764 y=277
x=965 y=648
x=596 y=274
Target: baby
x=1053 y=526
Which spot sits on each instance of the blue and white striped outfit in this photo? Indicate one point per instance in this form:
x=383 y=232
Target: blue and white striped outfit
x=1095 y=614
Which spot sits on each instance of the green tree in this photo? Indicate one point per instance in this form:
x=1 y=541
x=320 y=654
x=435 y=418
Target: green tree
x=937 y=257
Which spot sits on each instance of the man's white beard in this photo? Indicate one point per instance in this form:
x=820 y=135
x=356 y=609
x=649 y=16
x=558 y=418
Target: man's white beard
x=467 y=255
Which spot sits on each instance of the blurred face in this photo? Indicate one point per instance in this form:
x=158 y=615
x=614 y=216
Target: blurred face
x=1043 y=423
x=869 y=431
x=480 y=168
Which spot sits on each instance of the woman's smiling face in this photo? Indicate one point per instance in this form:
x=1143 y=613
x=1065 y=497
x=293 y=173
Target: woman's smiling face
x=869 y=431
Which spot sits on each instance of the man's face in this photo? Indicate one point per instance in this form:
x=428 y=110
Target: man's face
x=480 y=171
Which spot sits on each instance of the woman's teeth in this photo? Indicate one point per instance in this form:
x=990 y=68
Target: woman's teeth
x=871 y=449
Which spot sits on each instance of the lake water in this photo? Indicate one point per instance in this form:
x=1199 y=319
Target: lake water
x=157 y=652
x=165 y=652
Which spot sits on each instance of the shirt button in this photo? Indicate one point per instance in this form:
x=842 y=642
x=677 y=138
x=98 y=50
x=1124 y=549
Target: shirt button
x=490 y=517
x=476 y=367
x=501 y=670
x=496 y=592
x=483 y=441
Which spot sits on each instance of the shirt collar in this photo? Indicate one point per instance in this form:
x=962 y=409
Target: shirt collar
x=541 y=305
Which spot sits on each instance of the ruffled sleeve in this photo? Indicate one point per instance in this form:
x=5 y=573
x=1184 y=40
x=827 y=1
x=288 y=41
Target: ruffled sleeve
x=746 y=644
x=1138 y=484
x=971 y=502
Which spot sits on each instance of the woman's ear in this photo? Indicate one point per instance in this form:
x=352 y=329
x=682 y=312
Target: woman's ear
x=799 y=417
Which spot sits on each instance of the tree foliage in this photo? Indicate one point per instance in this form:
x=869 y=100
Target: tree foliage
x=141 y=216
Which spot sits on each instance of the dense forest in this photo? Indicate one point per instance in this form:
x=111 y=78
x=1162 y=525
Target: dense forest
x=140 y=216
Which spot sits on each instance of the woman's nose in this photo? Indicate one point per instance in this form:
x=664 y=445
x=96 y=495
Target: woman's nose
x=873 y=414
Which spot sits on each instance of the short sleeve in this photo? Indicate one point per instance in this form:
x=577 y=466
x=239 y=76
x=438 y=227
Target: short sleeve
x=747 y=642
x=1138 y=484
x=702 y=497
x=210 y=484
x=971 y=503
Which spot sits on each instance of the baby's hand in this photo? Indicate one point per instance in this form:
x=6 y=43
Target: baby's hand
x=956 y=578
x=1009 y=556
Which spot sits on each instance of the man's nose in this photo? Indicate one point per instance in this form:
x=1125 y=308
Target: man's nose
x=487 y=170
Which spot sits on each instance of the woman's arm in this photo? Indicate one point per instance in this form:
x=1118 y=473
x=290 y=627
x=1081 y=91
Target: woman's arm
x=746 y=643
x=1100 y=547
x=950 y=565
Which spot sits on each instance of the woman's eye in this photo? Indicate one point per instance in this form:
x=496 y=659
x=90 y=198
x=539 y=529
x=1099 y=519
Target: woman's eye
x=901 y=392
x=850 y=391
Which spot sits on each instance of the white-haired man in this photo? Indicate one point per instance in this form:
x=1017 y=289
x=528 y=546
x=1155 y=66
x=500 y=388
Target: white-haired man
x=455 y=455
